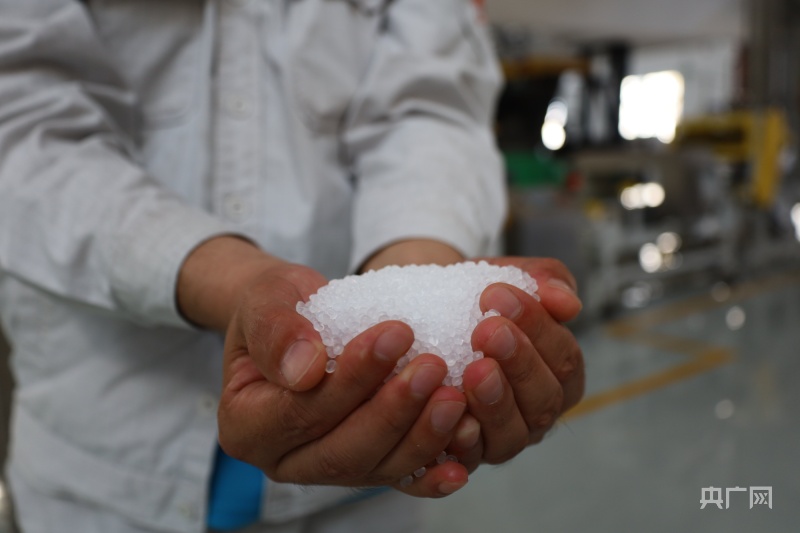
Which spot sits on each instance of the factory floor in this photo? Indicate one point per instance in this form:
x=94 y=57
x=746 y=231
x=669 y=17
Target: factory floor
x=685 y=400
x=693 y=399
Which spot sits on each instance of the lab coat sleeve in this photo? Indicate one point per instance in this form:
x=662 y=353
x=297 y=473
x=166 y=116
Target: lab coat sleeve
x=419 y=133
x=78 y=217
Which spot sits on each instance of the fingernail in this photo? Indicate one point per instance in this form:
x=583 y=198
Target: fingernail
x=445 y=416
x=468 y=434
x=425 y=380
x=561 y=284
x=449 y=487
x=392 y=344
x=504 y=301
x=490 y=390
x=297 y=360
x=502 y=344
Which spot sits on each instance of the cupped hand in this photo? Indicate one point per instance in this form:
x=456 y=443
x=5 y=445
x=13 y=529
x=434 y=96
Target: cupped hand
x=533 y=369
x=280 y=411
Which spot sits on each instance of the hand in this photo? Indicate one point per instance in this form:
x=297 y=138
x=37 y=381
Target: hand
x=282 y=413
x=533 y=370
x=349 y=429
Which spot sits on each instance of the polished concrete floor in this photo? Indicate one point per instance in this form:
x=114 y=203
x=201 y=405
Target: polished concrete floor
x=686 y=399
x=699 y=392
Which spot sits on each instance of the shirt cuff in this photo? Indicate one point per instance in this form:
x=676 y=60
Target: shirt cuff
x=429 y=180
x=417 y=227
x=148 y=256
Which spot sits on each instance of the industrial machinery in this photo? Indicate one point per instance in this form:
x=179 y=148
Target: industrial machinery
x=752 y=141
x=656 y=218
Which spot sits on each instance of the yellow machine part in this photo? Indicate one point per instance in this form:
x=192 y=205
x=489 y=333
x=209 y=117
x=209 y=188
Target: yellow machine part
x=770 y=136
x=757 y=137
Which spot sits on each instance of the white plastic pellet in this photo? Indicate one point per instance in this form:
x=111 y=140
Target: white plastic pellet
x=440 y=304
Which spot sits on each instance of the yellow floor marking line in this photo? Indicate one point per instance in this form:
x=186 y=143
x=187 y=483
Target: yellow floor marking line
x=697 y=365
x=697 y=304
x=704 y=356
x=670 y=343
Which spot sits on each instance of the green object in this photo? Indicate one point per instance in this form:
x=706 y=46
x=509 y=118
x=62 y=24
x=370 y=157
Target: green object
x=531 y=169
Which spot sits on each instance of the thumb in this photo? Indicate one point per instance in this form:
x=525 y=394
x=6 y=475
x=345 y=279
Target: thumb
x=559 y=296
x=557 y=287
x=281 y=343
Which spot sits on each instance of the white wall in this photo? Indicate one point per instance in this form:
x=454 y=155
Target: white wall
x=708 y=68
x=643 y=21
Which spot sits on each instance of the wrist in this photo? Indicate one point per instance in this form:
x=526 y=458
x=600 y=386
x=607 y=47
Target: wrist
x=413 y=252
x=214 y=276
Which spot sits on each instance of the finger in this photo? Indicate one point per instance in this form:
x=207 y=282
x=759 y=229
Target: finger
x=283 y=344
x=491 y=401
x=467 y=444
x=539 y=395
x=280 y=420
x=361 y=370
x=436 y=481
x=429 y=435
x=351 y=453
x=444 y=475
x=555 y=344
x=557 y=287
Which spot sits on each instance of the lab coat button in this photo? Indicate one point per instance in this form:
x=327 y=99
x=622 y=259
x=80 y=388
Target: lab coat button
x=207 y=405
x=189 y=512
x=236 y=207
x=238 y=107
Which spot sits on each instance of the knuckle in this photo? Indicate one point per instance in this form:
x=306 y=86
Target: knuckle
x=544 y=419
x=571 y=367
x=298 y=421
x=391 y=424
x=340 y=467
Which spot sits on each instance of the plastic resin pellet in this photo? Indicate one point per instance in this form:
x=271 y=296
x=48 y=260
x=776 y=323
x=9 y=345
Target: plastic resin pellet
x=439 y=303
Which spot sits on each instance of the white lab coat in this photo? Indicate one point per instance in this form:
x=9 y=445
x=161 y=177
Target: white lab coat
x=132 y=130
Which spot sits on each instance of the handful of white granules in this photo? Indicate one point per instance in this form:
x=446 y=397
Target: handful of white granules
x=440 y=304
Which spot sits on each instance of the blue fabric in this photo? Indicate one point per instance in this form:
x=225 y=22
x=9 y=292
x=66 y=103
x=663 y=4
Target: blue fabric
x=235 y=493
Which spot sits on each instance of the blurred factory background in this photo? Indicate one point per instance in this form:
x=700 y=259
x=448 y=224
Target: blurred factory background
x=651 y=144
x=653 y=147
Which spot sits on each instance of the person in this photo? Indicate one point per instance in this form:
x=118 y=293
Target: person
x=174 y=177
